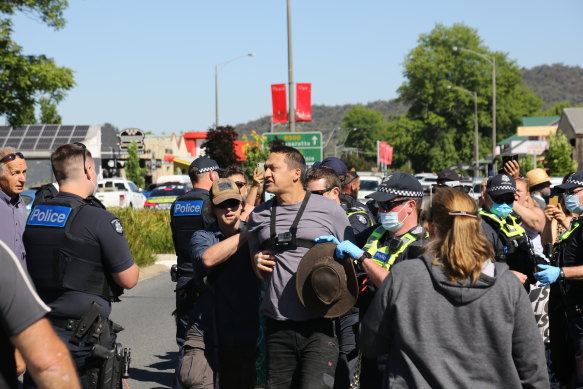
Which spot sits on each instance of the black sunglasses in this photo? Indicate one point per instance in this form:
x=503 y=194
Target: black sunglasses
x=388 y=205
x=507 y=199
x=11 y=157
x=322 y=191
x=240 y=184
x=84 y=149
x=233 y=204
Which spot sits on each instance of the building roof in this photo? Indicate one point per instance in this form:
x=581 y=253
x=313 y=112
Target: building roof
x=41 y=137
x=540 y=121
x=575 y=118
x=511 y=138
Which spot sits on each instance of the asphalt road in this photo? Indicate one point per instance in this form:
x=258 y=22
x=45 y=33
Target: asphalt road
x=145 y=313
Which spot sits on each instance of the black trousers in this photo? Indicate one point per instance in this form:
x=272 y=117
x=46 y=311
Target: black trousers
x=301 y=354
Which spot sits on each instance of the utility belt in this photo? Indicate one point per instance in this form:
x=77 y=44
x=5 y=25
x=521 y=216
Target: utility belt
x=176 y=273
x=96 y=330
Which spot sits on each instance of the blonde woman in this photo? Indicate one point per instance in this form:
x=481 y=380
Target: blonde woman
x=453 y=318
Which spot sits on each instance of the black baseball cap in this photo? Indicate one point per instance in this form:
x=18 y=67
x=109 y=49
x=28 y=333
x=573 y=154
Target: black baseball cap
x=500 y=184
x=447 y=175
x=397 y=185
x=204 y=165
x=575 y=180
x=333 y=163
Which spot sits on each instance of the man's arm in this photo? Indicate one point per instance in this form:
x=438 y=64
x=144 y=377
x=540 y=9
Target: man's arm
x=533 y=218
x=128 y=278
x=220 y=252
x=375 y=272
x=46 y=357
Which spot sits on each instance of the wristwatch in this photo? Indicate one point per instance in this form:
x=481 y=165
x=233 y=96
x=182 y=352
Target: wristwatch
x=562 y=274
x=361 y=258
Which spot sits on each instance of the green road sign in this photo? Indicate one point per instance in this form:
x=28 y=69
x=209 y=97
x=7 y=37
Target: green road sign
x=308 y=143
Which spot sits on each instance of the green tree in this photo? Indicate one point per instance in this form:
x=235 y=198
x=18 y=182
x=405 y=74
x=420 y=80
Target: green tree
x=48 y=112
x=558 y=157
x=25 y=79
x=256 y=151
x=363 y=127
x=557 y=109
x=132 y=167
x=445 y=114
x=220 y=145
x=354 y=161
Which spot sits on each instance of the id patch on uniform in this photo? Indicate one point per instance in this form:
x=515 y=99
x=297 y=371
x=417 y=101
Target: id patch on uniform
x=116 y=224
x=49 y=216
x=380 y=256
x=188 y=208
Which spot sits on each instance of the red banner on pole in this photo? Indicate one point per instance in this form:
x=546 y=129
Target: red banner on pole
x=303 y=102
x=385 y=153
x=279 y=103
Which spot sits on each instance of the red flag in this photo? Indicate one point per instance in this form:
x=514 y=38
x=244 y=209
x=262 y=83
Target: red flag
x=304 y=102
x=385 y=153
x=279 y=103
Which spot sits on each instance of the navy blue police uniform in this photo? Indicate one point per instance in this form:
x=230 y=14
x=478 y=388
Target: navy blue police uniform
x=73 y=247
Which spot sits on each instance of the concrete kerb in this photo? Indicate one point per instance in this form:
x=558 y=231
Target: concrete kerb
x=162 y=264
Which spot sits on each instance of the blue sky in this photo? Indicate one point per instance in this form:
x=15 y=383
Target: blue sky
x=150 y=64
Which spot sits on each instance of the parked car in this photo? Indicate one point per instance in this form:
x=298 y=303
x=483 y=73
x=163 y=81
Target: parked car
x=426 y=180
x=28 y=197
x=368 y=185
x=163 y=196
x=151 y=187
x=119 y=192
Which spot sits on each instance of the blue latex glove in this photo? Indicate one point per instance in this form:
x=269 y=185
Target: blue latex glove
x=348 y=248
x=327 y=238
x=549 y=274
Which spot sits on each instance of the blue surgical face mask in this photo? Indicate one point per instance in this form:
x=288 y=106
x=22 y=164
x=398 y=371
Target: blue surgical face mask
x=501 y=210
x=390 y=220
x=573 y=204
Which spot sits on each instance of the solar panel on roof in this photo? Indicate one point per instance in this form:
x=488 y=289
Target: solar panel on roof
x=44 y=144
x=12 y=142
x=50 y=131
x=34 y=131
x=17 y=132
x=27 y=144
x=76 y=139
x=65 y=131
x=81 y=131
x=59 y=141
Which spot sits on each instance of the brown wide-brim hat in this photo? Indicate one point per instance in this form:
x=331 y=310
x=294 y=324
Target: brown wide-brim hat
x=325 y=283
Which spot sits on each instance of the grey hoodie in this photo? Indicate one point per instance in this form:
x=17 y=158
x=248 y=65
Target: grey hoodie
x=441 y=334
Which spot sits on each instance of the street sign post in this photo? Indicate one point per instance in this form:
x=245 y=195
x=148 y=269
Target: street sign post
x=308 y=143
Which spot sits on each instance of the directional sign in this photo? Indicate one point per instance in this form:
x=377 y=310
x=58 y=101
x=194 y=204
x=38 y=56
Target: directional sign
x=308 y=143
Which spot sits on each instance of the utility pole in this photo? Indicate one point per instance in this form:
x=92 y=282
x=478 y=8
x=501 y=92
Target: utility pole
x=290 y=70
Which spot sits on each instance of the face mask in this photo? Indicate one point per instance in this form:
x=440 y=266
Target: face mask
x=390 y=221
x=572 y=203
x=501 y=210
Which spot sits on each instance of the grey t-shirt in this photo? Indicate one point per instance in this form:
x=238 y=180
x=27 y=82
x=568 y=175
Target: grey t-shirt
x=20 y=307
x=322 y=216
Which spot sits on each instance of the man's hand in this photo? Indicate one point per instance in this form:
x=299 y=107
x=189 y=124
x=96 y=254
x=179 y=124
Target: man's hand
x=512 y=168
x=263 y=261
x=347 y=248
x=258 y=177
x=327 y=238
x=549 y=274
x=521 y=277
x=20 y=364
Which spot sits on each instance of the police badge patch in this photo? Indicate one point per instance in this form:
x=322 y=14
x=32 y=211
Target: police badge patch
x=362 y=219
x=116 y=224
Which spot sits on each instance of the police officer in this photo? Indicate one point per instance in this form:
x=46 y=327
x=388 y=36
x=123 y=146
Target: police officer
x=397 y=237
x=187 y=216
x=566 y=275
x=79 y=261
x=513 y=245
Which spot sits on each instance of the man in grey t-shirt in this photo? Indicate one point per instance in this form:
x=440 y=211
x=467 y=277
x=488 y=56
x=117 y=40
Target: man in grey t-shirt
x=301 y=345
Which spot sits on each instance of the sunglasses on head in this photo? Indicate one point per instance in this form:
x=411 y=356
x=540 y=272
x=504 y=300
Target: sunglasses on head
x=506 y=199
x=11 y=157
x=388 y=205
x=84 y=149
x=322 y=191
x=233 y=204
x=239 y=184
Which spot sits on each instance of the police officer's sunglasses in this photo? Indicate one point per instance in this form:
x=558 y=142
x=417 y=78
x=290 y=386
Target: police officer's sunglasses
x=233 y=204
x=505 y=198
x=11 y=157
x=84 y=149
x=388 y=205
x=322 y=191
x=240 y=184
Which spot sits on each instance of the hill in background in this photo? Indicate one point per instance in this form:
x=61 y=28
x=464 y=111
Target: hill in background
x=552 y=83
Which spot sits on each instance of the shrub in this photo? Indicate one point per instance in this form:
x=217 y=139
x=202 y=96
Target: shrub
x=147 y=232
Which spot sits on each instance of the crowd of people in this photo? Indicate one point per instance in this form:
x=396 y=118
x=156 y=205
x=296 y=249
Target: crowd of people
x=334 y=291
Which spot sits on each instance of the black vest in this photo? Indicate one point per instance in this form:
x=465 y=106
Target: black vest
x=186 y=217
x=58 y=260
x=570 y=254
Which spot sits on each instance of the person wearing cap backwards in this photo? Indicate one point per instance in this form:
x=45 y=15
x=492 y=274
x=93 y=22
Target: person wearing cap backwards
x=302 y=349
x=451 y=179
x=223 y=335
x=566 y=277
x=513 y=245
x=186 y=217
x=397 y=237
x=349 y=186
